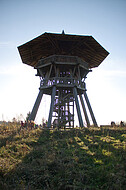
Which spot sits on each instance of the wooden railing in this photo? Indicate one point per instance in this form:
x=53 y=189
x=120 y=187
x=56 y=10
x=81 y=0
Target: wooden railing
x=62 y=82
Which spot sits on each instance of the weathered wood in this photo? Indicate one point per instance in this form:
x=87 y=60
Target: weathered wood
x=84 y=110
x=59 y=81
x=90 y=109
x=78 y=107
x=36 y=106
x=85 y=47
x=51 y=106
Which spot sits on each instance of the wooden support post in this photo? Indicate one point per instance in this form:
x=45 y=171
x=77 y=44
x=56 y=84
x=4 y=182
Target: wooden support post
x=50 y=71
x=41 y=73
x=69 y=114
x=84 y=110
x=78 y=107
x=90 y=109
x=58 y=108
x=51 y=106
x=73 y=113
x=36 y=106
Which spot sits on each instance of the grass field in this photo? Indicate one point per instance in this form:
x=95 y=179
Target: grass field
x=76 y=159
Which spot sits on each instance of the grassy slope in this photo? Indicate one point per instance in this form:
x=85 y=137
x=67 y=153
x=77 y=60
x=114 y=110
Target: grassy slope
x=87 y=159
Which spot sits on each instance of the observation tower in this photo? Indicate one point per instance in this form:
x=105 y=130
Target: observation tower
x=62 y=62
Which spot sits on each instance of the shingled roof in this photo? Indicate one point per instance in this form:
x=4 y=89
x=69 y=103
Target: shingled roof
x=47 y=44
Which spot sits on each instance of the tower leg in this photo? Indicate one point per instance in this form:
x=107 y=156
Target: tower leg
x=68 y=109
x=90 y=109
x=78 y=107
x=36 y=106
x=51 y=106
x=84 y=110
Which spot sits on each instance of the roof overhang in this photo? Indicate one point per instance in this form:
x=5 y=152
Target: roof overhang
x=47 y=44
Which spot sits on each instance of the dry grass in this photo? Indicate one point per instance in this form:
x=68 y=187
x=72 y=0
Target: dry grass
x=38 y=159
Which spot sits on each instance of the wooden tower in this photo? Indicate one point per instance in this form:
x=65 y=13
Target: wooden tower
x=62 y=63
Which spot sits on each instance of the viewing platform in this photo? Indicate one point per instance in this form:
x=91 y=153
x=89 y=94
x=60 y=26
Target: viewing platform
x=62 y=82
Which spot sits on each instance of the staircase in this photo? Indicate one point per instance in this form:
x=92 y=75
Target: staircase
x=63 y=106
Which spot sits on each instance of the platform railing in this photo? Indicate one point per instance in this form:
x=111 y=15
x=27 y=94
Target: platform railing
x=61 y=81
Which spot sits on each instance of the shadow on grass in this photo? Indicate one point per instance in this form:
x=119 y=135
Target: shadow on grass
x=70 y=160
x=9 y=138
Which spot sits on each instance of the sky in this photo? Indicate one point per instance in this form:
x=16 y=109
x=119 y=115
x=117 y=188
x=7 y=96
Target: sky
x=23 y=20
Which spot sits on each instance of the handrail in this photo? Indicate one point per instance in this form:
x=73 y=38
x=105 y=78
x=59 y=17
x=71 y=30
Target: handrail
x=61 y=81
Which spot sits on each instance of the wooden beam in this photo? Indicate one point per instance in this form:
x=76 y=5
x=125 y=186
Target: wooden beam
x=36 y=106
x=51 y=106
x=84 y=110
x=90 y=109
x=78 y=107
x=53 y=42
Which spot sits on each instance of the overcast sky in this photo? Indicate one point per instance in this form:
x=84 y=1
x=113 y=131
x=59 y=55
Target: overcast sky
x=23 y=20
